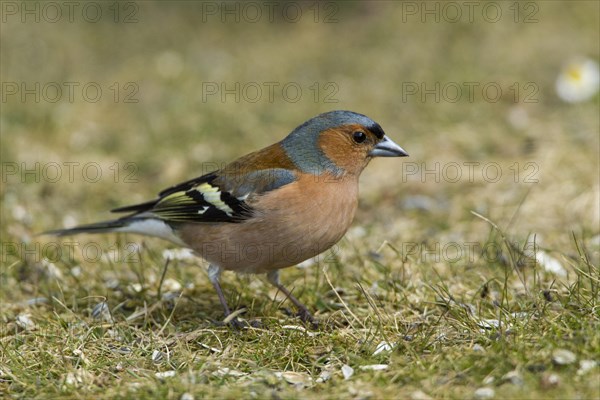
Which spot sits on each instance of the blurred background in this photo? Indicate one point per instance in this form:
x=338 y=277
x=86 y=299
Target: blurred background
x=104 y=104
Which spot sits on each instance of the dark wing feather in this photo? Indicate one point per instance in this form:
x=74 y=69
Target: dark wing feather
x=137 y=208
x=212 y=197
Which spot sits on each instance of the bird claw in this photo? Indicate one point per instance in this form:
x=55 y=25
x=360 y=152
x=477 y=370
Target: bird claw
x=306 y=317
x=238 y=324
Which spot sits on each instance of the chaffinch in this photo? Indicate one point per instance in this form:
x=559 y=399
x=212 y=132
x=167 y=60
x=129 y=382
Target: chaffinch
x=267 y=210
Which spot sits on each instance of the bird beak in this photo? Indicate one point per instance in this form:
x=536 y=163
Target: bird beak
x=387 y=148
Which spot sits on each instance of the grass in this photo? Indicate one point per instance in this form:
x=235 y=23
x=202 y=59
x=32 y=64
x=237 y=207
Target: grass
x=442 y=286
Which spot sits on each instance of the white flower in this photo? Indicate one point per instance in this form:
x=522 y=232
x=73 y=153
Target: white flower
x=578 y=81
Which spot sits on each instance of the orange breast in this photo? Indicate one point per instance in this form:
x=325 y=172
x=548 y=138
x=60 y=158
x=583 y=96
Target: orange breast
x=292 y=224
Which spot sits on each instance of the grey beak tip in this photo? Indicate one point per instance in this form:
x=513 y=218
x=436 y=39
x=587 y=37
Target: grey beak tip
x=387 y=148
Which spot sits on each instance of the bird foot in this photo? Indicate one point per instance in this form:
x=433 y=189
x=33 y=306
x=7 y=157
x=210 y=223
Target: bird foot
x=306 y=317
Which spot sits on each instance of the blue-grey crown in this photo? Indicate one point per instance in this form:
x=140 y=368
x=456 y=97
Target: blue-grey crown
x=301 y=145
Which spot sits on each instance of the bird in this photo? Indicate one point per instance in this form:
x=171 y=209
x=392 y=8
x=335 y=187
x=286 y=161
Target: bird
x=267 y=210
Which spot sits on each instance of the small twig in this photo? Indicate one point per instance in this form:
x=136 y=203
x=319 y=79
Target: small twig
x=372 y=304
x=162 y=278
x=234 y=315
x=145 y=311
x=341 y=300
x=172 y=311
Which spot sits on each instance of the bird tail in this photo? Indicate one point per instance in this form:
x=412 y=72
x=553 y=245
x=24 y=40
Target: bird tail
x=147 y=225
x=115 y=225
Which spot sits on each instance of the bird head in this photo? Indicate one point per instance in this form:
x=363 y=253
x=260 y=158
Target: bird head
x=338 y=142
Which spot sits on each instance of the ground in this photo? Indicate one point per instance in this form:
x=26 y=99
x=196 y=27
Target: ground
x=470 y=271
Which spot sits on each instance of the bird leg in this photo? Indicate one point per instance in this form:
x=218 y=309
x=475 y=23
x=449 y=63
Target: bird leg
x=214 y=272
x=303 y=313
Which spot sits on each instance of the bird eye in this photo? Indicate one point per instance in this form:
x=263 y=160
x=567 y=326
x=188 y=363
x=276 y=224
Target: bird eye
x=359 y=136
